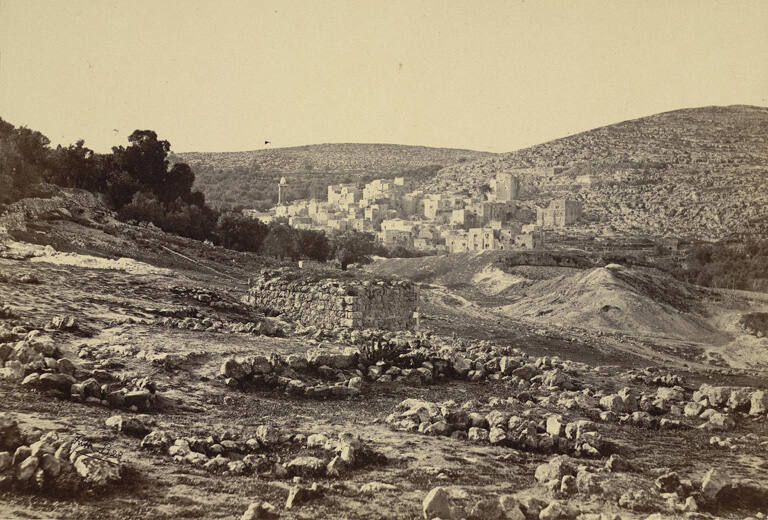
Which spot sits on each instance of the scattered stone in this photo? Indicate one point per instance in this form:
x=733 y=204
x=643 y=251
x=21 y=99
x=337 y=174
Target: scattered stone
x=258 y=510
x=437 y=504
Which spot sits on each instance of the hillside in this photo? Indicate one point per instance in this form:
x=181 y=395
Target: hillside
x=701 y=171
x=245 y=178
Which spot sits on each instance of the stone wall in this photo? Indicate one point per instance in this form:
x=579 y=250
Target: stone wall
x=333 y=303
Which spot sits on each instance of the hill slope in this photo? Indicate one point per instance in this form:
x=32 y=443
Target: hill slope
x=701 y=171
x=246 y=177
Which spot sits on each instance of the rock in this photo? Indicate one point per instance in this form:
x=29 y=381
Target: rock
x=59 y=382
x=260 y=365
x=690 y=505
x=306 y=466
x=5 y=460
x=668 y=483
x=298 y=495
x=555 y=425
x=258 y=510
x=613 y=403
x=437 y=504
x=50 y=464
x=525 y=372
x=498 y=419
x=497 y=436
x=65 y=366
x=132 y=426
x=636 y=501
x=575 y=430
x=758 y=402
x=740 y=399
x=487 y=509
x=377 y=487
x=27 y=468
x=31 y=380
x=554 y=511
x=692 y=409
x=232 y=368
x=555 y=469
x=439 y=428
x=317 y=440
x=195 y=458
x=97 y=471
x=558 y=379
x=617 y=463
x=511 y=508
x=21 y=453
x=180 y=448
x=478 y=434
x=720 y=421
x=267 y=435
x=10 y=435
x=157 y=440
x=713 y=483
x=141 y=399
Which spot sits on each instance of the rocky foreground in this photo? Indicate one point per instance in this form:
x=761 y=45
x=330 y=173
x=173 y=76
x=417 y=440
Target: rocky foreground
x=162 y=395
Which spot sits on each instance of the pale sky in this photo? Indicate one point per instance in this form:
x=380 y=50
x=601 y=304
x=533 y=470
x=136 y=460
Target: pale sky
x=488 y=75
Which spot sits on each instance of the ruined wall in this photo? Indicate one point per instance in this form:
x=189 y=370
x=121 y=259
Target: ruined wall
x=333 y=303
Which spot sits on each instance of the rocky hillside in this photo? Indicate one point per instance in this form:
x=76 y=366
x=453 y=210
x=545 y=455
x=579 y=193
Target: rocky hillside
x=700 y=171
x=246 y=178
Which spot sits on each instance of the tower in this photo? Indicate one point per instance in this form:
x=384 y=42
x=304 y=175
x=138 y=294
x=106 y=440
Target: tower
x=282 y=191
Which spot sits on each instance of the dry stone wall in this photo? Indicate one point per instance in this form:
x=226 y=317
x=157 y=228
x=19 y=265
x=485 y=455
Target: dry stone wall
x=334 y=303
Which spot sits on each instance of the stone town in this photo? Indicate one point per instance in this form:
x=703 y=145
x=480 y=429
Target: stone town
x=437 y=222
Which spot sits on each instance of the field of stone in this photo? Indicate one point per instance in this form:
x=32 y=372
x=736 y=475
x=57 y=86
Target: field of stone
x=149 y=387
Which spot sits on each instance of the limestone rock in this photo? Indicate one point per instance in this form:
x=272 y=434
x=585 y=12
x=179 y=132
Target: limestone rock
x=437 y=504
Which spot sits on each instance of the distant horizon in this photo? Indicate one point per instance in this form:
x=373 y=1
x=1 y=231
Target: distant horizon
x=390 y=143
x=466 y=149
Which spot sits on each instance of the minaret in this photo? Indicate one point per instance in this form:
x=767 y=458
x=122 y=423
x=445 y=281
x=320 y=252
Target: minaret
x=282 y=190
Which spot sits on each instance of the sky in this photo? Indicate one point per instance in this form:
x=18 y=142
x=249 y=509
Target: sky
x=486 y=75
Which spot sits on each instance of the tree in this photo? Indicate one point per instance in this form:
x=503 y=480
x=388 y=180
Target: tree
x=312 y=244
x=241 y=233
x=279 y=242
x=177 y=184
x=354 y=247
x=146 y=159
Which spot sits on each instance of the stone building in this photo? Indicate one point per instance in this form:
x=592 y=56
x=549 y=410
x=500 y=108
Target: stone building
x=560 y=213
x=505 y=187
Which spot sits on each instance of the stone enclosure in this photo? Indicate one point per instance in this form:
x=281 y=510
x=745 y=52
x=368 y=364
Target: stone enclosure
x=334 y=303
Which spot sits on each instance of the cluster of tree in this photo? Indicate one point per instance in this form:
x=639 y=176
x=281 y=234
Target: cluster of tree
x=727 y=266
x=144 y=186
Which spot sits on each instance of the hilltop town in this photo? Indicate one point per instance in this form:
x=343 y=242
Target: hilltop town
x=438 y=222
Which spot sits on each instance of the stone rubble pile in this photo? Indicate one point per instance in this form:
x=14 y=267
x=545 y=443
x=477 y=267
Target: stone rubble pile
x=36 y=362
x=64 y=464
x=224 y=453
x=525 y=431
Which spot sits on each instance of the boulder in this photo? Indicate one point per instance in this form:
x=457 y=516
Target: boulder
x=555 y=425
x=306 y=466
x=257 y=510
x=232 y=368
x=437 y=504
x=555 y=469
x=97 y=471
x=713 y=483
x=298 y=495
x=478 y=434
x=758 y=402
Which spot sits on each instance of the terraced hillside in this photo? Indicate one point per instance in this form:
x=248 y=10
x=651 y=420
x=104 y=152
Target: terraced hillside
x=701 y=171
x=247 y=177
